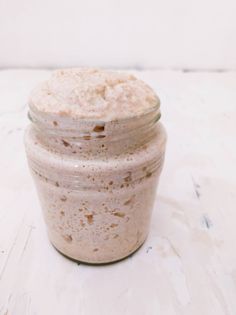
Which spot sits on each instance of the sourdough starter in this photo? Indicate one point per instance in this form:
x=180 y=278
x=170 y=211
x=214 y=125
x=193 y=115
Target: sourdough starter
x=95 y=149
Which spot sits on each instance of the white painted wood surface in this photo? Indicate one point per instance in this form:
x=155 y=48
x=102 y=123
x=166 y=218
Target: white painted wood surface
x=188 y=264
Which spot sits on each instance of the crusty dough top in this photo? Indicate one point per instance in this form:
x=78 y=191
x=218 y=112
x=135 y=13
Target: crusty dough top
x=93 y=94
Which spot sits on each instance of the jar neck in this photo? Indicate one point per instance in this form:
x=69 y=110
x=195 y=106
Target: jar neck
x=82 y=137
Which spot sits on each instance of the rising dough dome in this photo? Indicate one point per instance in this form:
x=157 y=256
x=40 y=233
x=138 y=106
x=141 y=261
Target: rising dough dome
x=93 y=94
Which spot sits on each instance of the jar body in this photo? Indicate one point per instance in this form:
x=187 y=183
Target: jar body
x=97 y=209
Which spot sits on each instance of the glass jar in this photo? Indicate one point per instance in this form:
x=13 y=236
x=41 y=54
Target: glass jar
x=96 y=181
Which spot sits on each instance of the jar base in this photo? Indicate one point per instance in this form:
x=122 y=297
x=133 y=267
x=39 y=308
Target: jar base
x=99 y=263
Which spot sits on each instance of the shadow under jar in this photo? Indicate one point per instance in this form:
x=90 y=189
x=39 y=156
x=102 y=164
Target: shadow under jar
x=96 y=181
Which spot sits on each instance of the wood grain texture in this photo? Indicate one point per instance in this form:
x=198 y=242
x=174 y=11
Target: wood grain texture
x=188 y=263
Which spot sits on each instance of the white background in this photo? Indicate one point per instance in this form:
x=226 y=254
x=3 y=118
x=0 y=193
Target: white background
x=137 y=34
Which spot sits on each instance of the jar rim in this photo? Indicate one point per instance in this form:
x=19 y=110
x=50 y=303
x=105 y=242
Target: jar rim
x=88 y=129
x=37 y=113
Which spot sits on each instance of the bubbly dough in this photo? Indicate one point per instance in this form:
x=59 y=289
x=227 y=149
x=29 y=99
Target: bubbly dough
x=93 y=94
